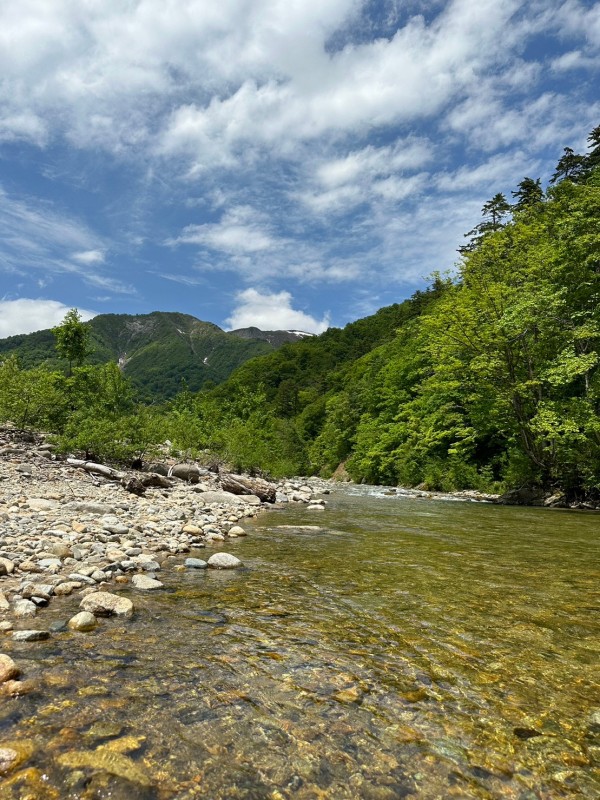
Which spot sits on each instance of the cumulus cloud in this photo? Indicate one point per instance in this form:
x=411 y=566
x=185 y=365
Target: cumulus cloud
x=272 y=312
x=26 y=315
x=241 y=231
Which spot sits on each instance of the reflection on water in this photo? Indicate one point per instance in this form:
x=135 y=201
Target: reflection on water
x=408 y=649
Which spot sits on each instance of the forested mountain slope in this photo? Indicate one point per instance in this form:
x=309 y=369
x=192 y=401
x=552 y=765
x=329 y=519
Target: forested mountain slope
x=157 y=351
x=491 y=379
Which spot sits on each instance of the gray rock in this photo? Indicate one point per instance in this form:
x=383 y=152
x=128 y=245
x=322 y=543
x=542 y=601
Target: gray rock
x=41 y=504
x=77 y=577
x=44 y=563
x=30 y=636
x=24 y=608
x=224 y=561
x=224 y=497
x=145 y=582
x=185 y=472
x=25 y=469
x=149 y=566
x=195 y=563
x=105 y=604
x=84 y=621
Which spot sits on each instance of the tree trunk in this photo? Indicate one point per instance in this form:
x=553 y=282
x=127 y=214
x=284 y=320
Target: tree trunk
x=240 y=484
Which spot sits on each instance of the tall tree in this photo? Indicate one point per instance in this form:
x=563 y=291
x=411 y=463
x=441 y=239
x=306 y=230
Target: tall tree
x=494 y=213
x=528 y=194
x=570 y=167
x=72 y=339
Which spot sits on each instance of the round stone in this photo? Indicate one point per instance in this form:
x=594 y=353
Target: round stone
x=84 y=621
x=224 y=561
x=195 y=563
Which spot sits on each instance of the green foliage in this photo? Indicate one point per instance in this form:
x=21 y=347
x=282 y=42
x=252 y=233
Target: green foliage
x=30 y=398
x=72 y=339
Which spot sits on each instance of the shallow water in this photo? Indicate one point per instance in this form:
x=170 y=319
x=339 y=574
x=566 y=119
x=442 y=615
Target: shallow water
x=408 y=648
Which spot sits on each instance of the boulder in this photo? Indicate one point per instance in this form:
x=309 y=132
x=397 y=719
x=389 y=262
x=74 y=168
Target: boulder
x=224 y=561
x=225 y=498
x=105 y=604
x=185 y=472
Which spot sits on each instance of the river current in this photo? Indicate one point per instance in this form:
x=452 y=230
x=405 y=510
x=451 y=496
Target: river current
x=384 y=648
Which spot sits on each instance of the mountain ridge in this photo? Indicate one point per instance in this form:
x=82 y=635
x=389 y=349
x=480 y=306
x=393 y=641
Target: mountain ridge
x=159 y=352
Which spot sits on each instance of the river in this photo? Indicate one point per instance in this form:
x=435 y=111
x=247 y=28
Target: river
x=383 y=648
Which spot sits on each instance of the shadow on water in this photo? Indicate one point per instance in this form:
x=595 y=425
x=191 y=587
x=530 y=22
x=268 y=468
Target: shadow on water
x=383 y=648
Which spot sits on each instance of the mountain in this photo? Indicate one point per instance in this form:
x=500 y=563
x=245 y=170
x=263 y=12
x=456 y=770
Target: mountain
x=276 y=338
x=158 y=351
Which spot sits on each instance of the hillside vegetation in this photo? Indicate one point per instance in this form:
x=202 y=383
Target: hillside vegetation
x=158 y=351
x=489 y=379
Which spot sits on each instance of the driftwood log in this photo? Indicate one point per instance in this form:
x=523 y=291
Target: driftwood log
x=240 y=484
x=136 y=484
x=96 y=469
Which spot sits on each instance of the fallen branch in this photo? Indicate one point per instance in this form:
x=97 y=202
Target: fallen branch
x=96 y=469
x=240 y=484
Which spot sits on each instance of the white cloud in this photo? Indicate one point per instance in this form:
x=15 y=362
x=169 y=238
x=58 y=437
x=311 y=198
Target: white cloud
x=365 y=175
x=26 y=315
x=241 y=231
x=272 y=312
x=90 y=257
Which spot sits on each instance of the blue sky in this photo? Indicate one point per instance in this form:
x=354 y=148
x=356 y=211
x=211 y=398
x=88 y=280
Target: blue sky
x=281 y=163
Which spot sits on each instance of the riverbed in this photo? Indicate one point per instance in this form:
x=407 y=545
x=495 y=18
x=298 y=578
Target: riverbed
x=383 y=648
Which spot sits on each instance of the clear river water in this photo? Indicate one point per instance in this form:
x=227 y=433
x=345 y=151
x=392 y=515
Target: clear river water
x=384 y=648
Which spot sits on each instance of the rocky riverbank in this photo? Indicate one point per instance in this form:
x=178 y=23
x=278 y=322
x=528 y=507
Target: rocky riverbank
x=70 y=531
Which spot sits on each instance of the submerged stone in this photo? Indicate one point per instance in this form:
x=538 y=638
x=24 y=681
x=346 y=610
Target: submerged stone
x=108 y=760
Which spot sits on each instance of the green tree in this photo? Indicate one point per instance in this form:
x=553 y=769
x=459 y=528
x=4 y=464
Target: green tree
x=528 y=194
x=494 y=213
x=571 y=166
x=72 y=339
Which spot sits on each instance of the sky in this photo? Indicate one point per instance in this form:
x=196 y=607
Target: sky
x=278 y=163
